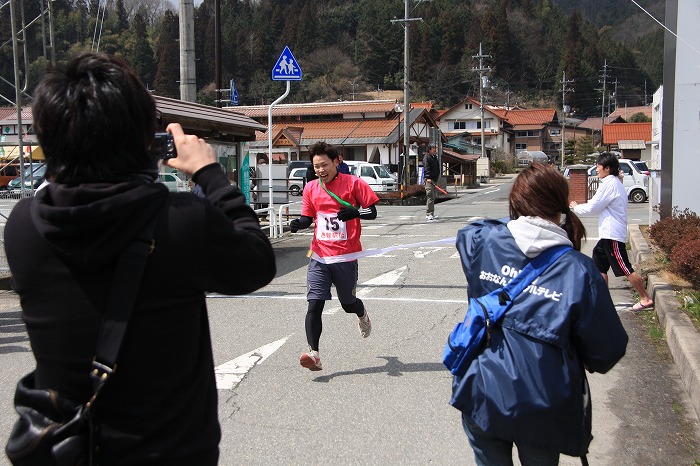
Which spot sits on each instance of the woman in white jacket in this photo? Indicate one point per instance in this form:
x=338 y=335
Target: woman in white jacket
x=610 y=204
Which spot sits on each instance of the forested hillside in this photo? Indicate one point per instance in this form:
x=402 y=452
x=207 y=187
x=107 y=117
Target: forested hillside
x=346 y=46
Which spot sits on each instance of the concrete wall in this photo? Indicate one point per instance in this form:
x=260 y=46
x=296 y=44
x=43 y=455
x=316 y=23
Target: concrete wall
x=681 y=107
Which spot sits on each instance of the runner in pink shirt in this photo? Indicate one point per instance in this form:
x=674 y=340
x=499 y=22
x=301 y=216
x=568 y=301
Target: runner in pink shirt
x=335 y=202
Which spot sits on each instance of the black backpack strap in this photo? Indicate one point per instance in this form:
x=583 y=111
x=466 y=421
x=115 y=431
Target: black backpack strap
x=120 y=304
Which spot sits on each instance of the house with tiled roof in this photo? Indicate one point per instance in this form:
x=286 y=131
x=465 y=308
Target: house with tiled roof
x=625 y=113
x=633 y=140
x=620 y=115
x=461 y=125
x=369 y=131
x=225 y=131
x=509 y=130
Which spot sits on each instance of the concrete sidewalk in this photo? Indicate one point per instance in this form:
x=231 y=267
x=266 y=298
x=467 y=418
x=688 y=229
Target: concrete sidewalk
x=681 y=335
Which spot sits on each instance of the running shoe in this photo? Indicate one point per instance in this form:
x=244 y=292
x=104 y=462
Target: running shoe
x=429 y=217
x=365 y=325
x=311 y=361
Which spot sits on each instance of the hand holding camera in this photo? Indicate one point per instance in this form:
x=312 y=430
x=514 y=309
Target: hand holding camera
x=191 y=152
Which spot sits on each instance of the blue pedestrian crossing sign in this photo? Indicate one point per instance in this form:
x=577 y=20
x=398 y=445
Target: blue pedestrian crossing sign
x=233 y=94
x=286 y=68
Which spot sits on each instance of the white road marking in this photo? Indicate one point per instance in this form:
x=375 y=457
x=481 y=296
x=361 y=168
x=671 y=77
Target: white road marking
x=230 y=374
x=302 y=297
x=386 y=279
x=422 y=252
x=455 y=255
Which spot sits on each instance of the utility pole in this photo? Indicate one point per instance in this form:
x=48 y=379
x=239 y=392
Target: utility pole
x=564 y=110
x=508 y=93
x=602 y=104
x=406 y=102
x=188 y=77
x=483 y=83
x=217 y=51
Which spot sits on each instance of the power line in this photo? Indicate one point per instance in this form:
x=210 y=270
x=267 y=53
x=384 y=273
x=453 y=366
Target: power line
x=664 y=26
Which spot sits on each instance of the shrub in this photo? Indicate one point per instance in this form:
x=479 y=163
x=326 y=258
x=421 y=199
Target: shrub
x=685 y=260
x=499 y=166
x=413 y=190
x=668 y=232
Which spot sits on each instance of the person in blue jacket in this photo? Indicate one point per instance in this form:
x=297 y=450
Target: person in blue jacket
x=528 y=387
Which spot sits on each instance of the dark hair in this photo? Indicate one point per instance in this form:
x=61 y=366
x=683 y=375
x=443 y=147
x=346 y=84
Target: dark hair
x=94 y=120
x=321 y=148
x=541 y=191
x=606 y=159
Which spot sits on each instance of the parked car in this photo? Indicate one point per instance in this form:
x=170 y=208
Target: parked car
x=8 y=172
x=298 y=164
x=643 y=167
x=635 y=182
x=34 y=175
x=377 y=176
x=296 y=181
x=173 y=182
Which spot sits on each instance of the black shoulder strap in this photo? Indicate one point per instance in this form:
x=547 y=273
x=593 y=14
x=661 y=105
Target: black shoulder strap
x=120 y=304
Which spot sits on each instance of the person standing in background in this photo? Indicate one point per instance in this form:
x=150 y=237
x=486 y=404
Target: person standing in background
x=431 y=175
x=342 y=166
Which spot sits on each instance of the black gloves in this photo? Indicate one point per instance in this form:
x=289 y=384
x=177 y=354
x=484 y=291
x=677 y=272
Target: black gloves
x=348 y=213
x=299 y=224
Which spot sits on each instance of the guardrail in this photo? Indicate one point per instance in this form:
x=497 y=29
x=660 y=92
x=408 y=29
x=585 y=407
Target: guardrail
x=282 y=223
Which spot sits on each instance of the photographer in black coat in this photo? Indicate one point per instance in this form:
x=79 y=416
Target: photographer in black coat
x=95 y=122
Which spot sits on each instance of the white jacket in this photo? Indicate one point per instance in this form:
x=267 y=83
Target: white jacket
x=610 y=203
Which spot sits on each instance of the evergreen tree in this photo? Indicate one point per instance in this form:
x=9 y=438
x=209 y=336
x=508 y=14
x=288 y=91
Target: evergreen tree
x=204 y=45
x=167 y=50
x=122 y=19
x=379 y=43
x=141 y=54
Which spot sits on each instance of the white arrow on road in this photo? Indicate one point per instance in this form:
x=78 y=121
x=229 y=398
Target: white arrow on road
x=230 y=374
x=386 y=279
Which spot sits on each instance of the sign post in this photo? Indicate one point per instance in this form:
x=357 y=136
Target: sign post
x=233 y=94
x=286 y=69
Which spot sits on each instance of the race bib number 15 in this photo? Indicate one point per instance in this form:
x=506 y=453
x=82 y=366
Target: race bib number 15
x=329 y=228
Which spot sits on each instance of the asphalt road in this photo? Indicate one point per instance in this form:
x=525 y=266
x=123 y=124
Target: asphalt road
x=384 y=400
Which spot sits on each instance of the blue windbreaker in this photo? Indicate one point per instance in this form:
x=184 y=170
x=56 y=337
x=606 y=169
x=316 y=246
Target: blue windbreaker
x=529 y=385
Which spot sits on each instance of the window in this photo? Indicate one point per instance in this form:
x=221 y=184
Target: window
x=468 y=106
x=521 y=147
x=383 y=173
x=555 y=132
x=368 y=171
x=459 y=125
x=527 y=134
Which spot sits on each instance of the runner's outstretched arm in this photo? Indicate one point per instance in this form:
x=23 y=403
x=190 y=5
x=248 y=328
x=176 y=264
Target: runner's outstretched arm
x=366 y=213
x=300 y=223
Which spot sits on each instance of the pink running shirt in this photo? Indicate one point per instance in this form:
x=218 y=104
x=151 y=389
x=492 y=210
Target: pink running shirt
x=333 y=237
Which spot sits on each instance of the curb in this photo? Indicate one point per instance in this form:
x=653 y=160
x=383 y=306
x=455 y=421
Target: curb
x=682 y=337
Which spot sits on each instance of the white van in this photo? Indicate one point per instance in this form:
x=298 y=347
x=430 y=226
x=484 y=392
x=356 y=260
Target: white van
x=635 y=181
x=377 y=176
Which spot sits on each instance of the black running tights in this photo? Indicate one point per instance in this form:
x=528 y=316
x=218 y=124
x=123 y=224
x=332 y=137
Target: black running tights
x=314 y=323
